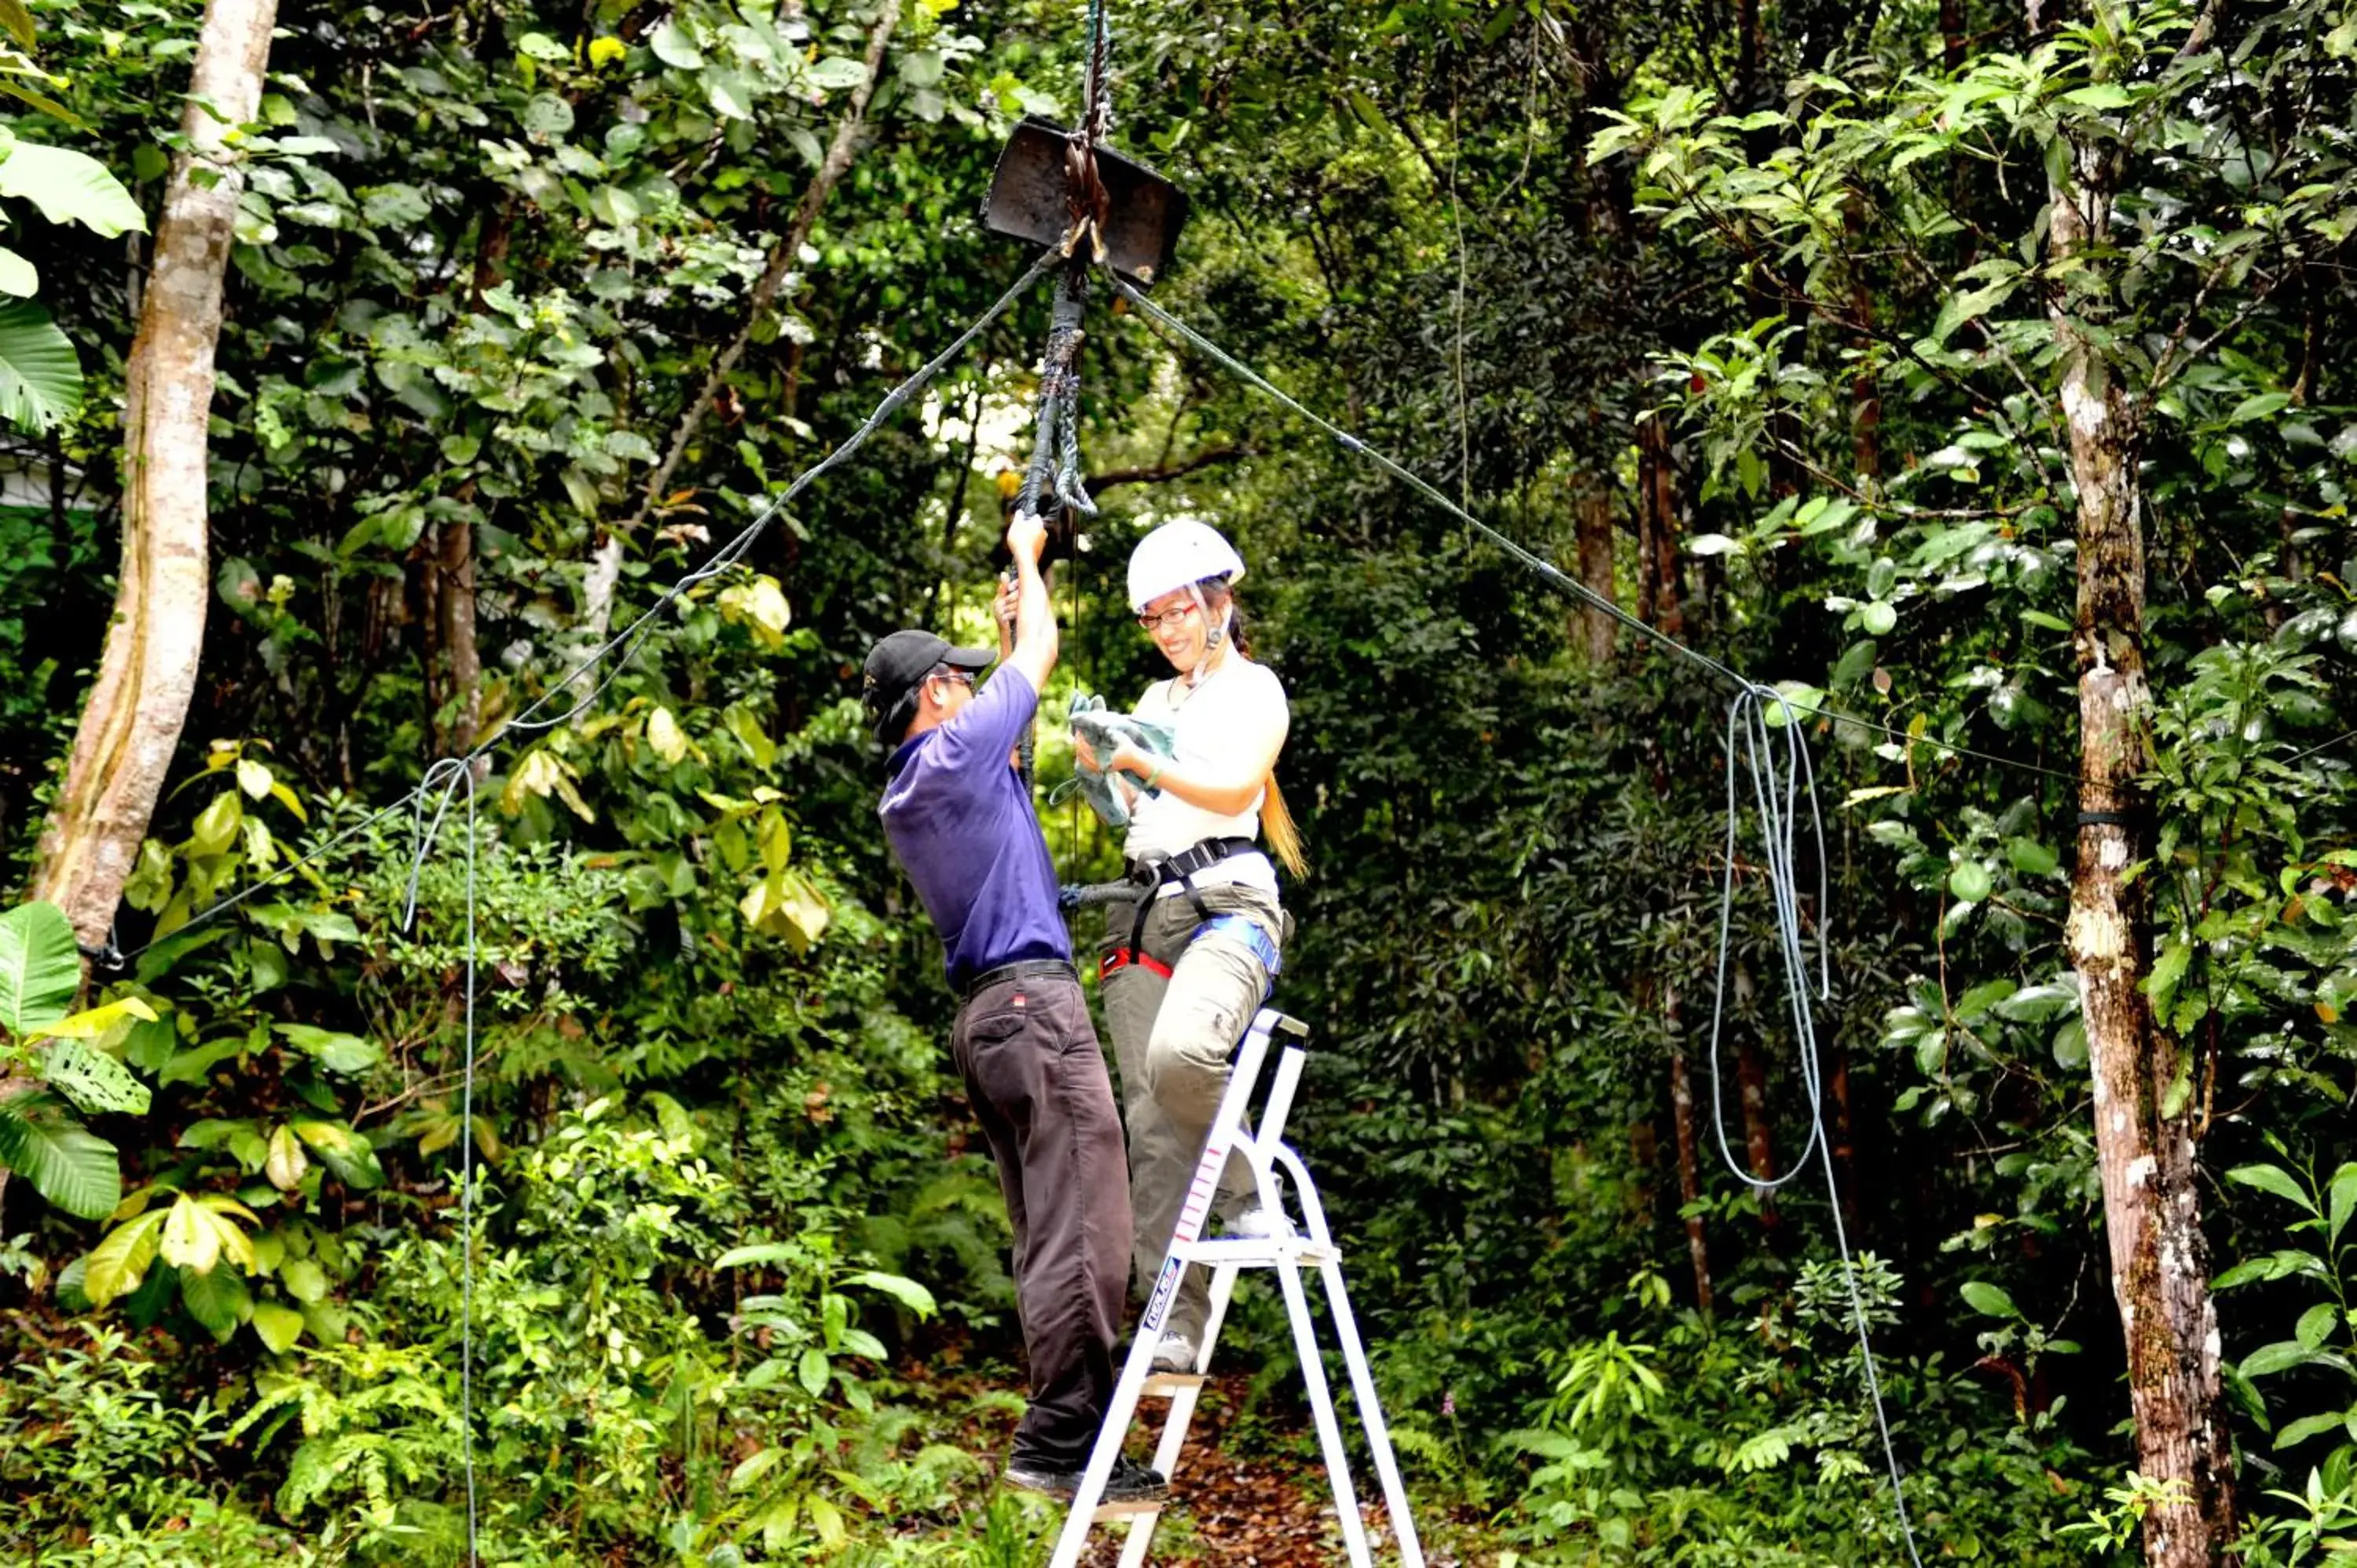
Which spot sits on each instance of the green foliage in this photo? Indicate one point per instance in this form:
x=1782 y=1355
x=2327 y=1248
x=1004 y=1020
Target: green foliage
x=41 y=1138
x=732 y=1229
x=40 y=375
x=39 y=971
x=1712 y=1445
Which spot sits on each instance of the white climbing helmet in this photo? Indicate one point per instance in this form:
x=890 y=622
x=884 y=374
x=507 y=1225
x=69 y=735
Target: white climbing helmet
x=1182 y=553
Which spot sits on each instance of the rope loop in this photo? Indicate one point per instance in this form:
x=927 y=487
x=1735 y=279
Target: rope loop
x=1765 y=741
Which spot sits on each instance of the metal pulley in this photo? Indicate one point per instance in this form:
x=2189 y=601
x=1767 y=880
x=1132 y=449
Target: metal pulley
x=1053 y=186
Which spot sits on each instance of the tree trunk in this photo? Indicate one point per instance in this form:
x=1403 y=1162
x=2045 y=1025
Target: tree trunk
x=830 y=172
x=1657 y=529
x=1682 y=1112
x=1845 y=1136
x=1748 y=53
x=131 y=724
x=1951 y=33
x=2144 y=1105
x=1646 y=1163
x=453 y=564
x=1593 y=511
x=1866 y=395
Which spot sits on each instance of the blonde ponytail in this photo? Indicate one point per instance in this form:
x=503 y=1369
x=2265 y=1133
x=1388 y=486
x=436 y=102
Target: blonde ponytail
x=1284 y=837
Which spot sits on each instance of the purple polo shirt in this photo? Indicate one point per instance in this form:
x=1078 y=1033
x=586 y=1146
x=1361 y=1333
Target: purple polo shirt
x=962 y=825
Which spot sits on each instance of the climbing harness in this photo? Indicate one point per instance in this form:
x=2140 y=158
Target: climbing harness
x=1147 y=878
x=1246 y=931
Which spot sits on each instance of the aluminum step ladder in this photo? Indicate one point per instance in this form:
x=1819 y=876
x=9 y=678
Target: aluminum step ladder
x=1268 y=1156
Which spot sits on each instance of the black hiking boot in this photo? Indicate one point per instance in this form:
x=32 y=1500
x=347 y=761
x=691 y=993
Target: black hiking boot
x=1132 y=1482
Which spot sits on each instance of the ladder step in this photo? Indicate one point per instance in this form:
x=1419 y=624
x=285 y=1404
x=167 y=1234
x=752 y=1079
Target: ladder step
x=1137 y=1507
x=1167 y=1385
x=1250 y=1252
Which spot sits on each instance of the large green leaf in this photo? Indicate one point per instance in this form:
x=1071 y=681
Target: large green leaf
x=92 y=1022
x=40 y=969
x=337 y=1052
x=2274 y=1179
x=344 y=1152
x=907 y=1291
x=94 y=1080
x=192 y=1242
x=70 y=187
x=279 y=1326
x=67 y=1163
x=40 y=379
x=219 y=1300
x=2343 y=1198
x=115 y=1266
x=18 y=276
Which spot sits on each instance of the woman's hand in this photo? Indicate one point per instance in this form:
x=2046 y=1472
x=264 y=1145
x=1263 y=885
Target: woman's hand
x=1130 y=757
x=1002 y=609
x=1085 y=756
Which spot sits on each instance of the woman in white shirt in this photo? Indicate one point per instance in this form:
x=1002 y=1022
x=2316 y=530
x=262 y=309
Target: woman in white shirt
x=1186 y=965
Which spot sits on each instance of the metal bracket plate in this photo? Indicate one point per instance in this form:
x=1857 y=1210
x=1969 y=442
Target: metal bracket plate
x=1031 y=199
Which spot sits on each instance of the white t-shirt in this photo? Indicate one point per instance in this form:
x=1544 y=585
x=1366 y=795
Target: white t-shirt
x=1239 y=697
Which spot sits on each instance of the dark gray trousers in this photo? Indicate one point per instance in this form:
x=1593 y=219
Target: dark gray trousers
x=1038 y=1082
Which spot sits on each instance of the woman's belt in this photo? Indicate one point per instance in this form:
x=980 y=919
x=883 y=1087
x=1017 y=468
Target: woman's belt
x=1154 y=870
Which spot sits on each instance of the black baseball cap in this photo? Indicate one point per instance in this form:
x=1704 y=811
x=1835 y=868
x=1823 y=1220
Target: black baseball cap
x=897 y=665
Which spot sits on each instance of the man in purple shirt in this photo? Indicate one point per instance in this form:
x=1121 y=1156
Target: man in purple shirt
x=960 y=819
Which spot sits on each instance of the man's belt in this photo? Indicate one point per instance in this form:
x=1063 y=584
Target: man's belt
x=1023 y=969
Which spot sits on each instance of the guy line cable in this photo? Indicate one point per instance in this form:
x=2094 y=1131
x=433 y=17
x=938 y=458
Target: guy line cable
x=1537 y=564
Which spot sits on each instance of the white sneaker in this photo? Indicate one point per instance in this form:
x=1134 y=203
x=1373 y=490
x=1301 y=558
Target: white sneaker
x=1258 y=1224
x=1175 y=1354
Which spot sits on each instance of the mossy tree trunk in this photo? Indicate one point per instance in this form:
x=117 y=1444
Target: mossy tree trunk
x=2145 y=1108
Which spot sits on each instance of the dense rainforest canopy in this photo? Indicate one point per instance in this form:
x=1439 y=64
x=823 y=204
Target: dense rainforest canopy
x=1976 y=375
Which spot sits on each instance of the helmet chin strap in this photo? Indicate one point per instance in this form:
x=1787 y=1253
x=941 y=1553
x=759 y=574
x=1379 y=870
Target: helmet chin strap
x=1214 y=636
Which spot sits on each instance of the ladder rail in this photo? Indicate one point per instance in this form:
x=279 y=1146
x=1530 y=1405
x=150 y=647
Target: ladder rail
x=1354 y=1359
x=1371 y=1415
x=1321 y=1407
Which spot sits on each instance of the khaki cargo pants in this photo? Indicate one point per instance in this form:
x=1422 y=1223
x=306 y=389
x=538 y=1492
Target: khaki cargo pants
x=1172 y=1039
